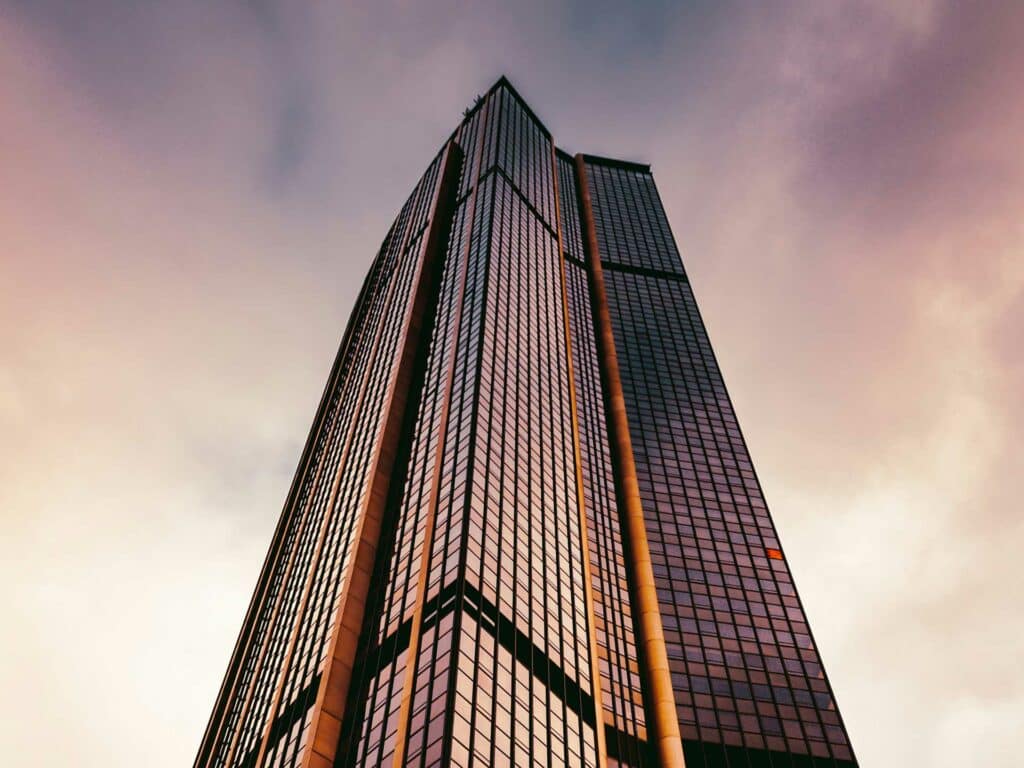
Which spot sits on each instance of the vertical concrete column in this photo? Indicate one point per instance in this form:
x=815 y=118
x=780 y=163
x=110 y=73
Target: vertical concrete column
x=332 y=697
x=657 y=680
x=588 y=582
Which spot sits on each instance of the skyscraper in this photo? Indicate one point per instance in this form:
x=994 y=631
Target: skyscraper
x=525 y=529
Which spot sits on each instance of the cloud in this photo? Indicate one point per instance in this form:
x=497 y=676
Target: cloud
x=192 y=194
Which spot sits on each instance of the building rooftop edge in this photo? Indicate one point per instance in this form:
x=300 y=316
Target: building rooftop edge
x=626 y=165
x=504 y=82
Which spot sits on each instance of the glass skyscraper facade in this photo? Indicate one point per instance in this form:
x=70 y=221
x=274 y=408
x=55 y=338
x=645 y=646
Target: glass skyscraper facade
x=525 y=529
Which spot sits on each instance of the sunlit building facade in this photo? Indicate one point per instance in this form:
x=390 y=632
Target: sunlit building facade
x=525 y=529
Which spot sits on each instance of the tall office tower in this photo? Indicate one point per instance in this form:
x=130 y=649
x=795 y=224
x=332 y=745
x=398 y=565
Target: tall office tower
x=525 y=529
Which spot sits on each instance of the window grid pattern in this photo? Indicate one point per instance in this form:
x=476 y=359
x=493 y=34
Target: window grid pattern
x=524 y=154
x=503 y=671
x=747 y=676
x=408 y=556
x=469 y=135
x=622 y=701
x=384 y=653
x=631 y=226
x=433 y=664
x=523 y=543
x=431 y=684
x=430 y=713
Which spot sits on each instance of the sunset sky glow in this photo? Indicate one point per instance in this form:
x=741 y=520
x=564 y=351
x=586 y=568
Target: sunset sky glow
x=193 y=191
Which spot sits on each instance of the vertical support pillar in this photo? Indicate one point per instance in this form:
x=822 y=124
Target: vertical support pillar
x=659 y=696
x=588 y=583
x=329 y=708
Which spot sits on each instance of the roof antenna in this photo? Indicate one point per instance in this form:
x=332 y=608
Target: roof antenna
x=476 y=103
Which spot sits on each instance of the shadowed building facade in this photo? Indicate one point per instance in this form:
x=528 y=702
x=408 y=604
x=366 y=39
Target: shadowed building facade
x=525 y=529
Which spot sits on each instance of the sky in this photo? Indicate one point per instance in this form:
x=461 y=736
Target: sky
x=191 y=193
